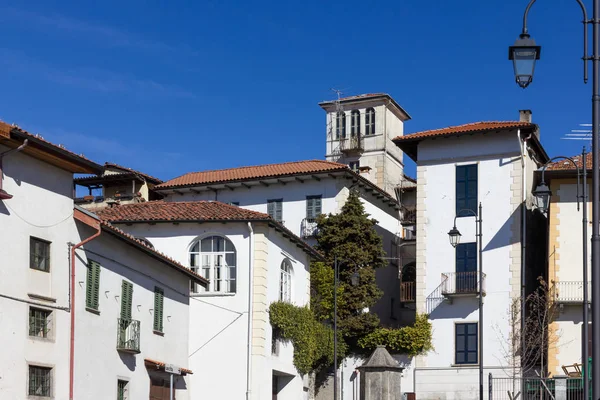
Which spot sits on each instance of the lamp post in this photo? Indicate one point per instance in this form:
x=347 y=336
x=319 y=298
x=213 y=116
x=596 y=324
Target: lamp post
x=543 y=194
x=524 y=64
x=354 y=280
x=455 y=235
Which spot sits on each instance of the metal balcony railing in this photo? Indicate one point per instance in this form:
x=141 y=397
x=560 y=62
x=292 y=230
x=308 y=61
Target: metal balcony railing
x=409 y=215
x=461 y=283
x=128 y=335
x=408 y=292
x=308 y=228
x=351 y=144
x=570 y=292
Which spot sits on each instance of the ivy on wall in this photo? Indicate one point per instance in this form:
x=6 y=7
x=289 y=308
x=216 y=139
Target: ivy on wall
x=410 y=340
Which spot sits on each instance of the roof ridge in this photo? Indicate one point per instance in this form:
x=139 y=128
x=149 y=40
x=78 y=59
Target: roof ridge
x=258 y=166
x=470 y=124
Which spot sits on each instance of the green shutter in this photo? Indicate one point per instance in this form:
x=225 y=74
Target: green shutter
x=158 y=309
x=126 y=300
x=317 y=206
x=309 y=208
x=271 y=208
x=92 y=292
x=279 y=210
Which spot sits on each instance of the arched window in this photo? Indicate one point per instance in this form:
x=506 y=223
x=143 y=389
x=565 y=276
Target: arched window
x=370 y=121
x=285 y=281
x=340 y=129
x=355 y=126
x=214 y=258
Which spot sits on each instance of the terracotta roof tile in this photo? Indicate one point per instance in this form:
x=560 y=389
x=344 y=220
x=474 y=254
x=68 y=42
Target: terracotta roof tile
x=178 y=211
x=14 y=131
x=191 y=211
x=163 y=257
x=464 y=129
x=154 y=363
x=148 y=177
x=253 y=172
x=566 y=165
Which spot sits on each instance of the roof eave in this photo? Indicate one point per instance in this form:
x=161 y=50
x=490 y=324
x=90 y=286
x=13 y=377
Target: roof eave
x=325 y=104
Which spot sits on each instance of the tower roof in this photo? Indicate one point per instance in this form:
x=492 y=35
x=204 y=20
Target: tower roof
x=365 y=98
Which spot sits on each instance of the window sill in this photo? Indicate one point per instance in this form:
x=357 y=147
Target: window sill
x=92 y=310
x=159 y=333
x=42 y=339
x=40 y=297
x=212 y=294
x=465 y=365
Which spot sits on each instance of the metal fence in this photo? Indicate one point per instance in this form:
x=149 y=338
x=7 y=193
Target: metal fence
x=535 y=388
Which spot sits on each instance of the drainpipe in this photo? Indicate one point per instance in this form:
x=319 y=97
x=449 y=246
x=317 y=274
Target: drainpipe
x=523 y=146
x=250 y=299
x=3 y=194
x=72 y=345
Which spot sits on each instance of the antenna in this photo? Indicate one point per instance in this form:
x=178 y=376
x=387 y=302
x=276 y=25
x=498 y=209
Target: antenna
x=580 y=134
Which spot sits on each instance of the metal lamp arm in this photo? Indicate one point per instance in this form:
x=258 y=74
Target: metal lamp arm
x=525 y=33
x=572 y=162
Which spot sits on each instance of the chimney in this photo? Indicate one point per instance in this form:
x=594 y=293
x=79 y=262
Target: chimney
x=525 y=116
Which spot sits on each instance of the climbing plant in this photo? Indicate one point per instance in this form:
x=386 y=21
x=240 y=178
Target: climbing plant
x=411 y=340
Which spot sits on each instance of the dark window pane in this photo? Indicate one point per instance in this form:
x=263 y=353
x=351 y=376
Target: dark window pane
x=472 y=358
x=460 y=358
x=460 y=329
x=472 y=329
x=472 y=342
x=230 y=258
x=218 y=243
x=207 y=244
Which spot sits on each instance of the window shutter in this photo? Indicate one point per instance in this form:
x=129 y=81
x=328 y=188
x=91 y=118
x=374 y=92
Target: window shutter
x=317 y=206
x=271 y=209
x=279 y=210
x=92 y=293
x=126 y=300
x=309 y=208
x=158 y=309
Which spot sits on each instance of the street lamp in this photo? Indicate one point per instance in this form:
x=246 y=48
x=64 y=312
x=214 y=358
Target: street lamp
x=595 y=58
x=524 y=54
x=454 y=235
x=543 y=194
x=354 y=281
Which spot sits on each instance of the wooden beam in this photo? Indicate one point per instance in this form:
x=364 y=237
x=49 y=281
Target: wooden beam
x=246 y=185
x=332 y=175
x=282 y=181
x=230 y=188
x=195 y=191
x=316 y=178
x=179 y=192
x=264 y=183
x=299 y=180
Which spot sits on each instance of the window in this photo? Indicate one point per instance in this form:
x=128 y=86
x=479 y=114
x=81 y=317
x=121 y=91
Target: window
x=126 y=300
x=466 y=343
x=92 y=289
x=39 y=322
x=466 y=189
x=340 y=129
x=370 y=121
x=39 y=251
x=355 y=126
x=158 y=308
x=121 y=390
x=354 y=165
x=275 y=209
x=40 y=381
x=313 y=207
x=466 y=268
x=285 y=281
x=214 y=258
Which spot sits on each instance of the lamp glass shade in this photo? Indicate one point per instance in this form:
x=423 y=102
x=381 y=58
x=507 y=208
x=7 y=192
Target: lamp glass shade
x=355 y=278
x=454 y=236
x=542 y=195
x=524 y=54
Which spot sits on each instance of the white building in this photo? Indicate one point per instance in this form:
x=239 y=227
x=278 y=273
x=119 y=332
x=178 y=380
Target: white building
x=62 y=335
x=251 y=261
x=491 y=163
x=294 y=194
x=565 y=263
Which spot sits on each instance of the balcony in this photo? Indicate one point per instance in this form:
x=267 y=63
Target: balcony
x=408 y=233
x=351 y=145
x=308 y=228
x=408 y=292
x=570 y=292
x=409 y=215
x=128 y=336
x=461 y=284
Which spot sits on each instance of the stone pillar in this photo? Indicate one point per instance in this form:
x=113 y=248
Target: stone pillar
x=380 y=377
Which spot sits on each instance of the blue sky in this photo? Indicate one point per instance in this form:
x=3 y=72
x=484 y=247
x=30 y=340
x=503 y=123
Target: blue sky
x=189 y=86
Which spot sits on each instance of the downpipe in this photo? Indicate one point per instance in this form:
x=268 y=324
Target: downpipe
x=250 y=299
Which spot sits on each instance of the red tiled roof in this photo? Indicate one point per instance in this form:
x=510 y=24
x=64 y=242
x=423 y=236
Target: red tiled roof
x=85 y=165
x=408 y=143
x=566 y=165
x=191 y=211
x=253 y=172
x=464 y=129
x=157 y=254
x=148 y=177
x=153 y=363
x=164 y=211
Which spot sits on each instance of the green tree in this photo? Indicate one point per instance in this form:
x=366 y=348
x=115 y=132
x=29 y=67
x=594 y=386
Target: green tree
x=351 y=237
